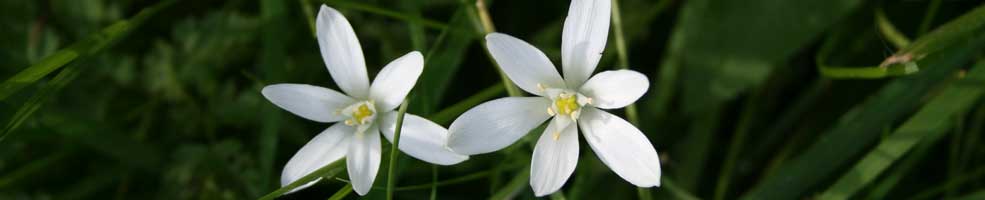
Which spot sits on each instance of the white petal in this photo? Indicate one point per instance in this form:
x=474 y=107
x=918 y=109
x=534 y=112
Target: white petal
x=363 y=159
x=524 y=64
x=395 y=80
x=341 y=52
x=308 y=101
x=327 y=147
x=496 y=124
x=421 y=139
x=585 y=30
x=621 y=146
x=615 y=89
x=555 y=158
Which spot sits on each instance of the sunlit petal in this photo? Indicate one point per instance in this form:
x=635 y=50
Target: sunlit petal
x=421 y=139
x=341 y=52
x=496 y=124
x=621 y=146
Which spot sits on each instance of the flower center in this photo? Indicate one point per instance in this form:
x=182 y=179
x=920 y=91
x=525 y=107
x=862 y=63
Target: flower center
x=566 y=103
x=360 y=113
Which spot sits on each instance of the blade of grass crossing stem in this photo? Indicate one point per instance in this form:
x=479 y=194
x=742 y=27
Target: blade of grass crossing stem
x=342 y=193
x=34 y=103
x=391 y=181
x=327 y=171
x=833 y=149
x=483 y=25
x=91 y=45
x=930 y=121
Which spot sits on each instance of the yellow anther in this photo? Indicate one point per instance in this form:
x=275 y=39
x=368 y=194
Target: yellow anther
x=361 y=113
x=541 y=87
x=566 y=104
x=557 y=135
x=550 y=111
x=348 y=122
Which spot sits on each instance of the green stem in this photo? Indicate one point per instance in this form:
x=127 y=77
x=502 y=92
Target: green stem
x=889 y=31
x=484 y=25
x=434 y=182
x=329 y=169
x=448 y=114
x=387 y=13
x=513 y=187
x=738 y=140
x=631 y=113
x=394 y=152
x=928 y=18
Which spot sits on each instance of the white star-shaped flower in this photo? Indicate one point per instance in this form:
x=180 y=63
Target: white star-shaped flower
x=365 y=111
x=573 y=101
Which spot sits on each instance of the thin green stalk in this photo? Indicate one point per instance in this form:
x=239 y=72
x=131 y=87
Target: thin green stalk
x=484 y=25
x=631 y=113
x=434 y=182
x=514 y=186
x=448 y=114
x=394 y=152
x=928 y=18
x=387 y=13
x=327 y=171
x=457 y=180
x=339 y=195
x=90 y=46
x=889 y=31
x=309 y=16
x=738 y=140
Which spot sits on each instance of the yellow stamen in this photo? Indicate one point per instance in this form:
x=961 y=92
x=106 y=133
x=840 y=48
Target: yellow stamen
x=557 y=135
x=361 y=113
x=566 y=104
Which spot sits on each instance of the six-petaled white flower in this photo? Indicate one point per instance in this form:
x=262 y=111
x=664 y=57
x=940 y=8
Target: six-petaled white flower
x=573 y=101
x=365 y=111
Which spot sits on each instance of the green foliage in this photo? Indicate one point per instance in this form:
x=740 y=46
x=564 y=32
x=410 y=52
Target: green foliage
x=756 y=99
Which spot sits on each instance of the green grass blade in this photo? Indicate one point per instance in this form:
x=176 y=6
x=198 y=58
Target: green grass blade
x=34 y=103
x=860 y=127
x=86 y=48
x=327 y=171
x=761 y=34
x=968 y=25
x=930 y=121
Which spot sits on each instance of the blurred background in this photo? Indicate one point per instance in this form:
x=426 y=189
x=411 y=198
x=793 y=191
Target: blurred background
x=753 y=99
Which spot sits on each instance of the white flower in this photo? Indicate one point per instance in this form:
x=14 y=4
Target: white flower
x=573 y=102
x=365 y=112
